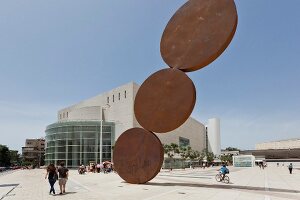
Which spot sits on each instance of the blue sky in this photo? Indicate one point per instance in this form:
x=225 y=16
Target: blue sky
x=57 y=53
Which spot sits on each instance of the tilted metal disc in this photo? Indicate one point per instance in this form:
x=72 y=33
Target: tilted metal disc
x=138 y=155
x=198 y=33
x=165 y=100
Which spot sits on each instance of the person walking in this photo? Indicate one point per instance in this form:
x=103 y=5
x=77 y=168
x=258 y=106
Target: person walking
x=63 y=174
x=52 y=177
x=98 y=168
x=290 y=167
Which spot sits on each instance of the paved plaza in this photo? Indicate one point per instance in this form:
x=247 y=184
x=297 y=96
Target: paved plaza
x=245 y=184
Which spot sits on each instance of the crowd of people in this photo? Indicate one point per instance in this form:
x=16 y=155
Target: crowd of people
x=105 y=167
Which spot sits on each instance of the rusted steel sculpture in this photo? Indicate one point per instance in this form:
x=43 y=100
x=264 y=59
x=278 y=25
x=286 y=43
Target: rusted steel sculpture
x=198 y=33
x=138 y=155
x=165 y=100
x=194 y=37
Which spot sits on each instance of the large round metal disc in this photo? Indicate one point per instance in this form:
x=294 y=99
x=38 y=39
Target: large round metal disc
x=198 y=33
x=138 y=156
x=165 y=100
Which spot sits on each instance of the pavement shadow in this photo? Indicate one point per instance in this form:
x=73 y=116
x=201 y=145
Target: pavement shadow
x=70 y=193
x=57 y=194
x=8 y=185
x=215 y=186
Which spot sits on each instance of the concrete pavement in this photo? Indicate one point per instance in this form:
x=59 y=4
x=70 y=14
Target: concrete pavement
x=245 y=183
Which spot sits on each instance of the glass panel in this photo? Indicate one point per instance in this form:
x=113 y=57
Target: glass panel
x=106 y=128
x=60 y=143
x=61 y=156
x=88 y=142
x=106 y=149
x=77 y=128
x=106 y=142
x=88 y=128
x=61 y=149
x=89 y=135
x=184 y=142
x=106 y=156
x=106 y=136
x=69 y=133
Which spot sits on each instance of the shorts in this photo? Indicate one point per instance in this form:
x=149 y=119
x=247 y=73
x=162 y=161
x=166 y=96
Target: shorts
x=62 y=181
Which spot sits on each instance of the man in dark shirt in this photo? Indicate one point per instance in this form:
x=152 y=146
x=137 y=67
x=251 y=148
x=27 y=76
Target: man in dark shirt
x=63 y=174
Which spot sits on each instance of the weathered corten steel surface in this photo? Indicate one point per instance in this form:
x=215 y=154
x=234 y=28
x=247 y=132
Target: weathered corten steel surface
x=195 y=36
x=198 y=33
x=165 y=100
x=138 y=155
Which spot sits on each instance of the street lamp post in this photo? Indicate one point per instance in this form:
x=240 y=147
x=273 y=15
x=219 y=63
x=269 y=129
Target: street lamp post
x=101 y=127
x=100 y=144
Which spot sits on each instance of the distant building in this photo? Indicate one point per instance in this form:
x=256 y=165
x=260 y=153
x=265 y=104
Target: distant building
x=280 y=144
x=86 y=132
x=34 y=151
x=243 y=161
x=231 y=153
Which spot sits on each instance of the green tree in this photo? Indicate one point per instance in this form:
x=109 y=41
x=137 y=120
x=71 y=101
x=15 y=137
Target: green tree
x=232 y=149
x=15 y=157
x=210 y=157
x=194 y=155
x=226 y=158
x=175 y=148
x=171 y=150
x=27 y=163
x=183 y=152
x=188 y=153
x=4 y=156
x=202 y=155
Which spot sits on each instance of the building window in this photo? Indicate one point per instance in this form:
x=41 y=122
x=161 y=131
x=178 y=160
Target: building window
x=107 y=100
x=113 y=98
x=63 y=115
x=67 y=114
x=119 y=96
x=125 y=94
x=59 y=116
x=183 y=142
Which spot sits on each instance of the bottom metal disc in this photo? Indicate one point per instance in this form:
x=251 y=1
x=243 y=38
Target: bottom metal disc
x=138 y=155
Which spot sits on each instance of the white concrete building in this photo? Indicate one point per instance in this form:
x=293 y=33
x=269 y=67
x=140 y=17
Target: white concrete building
x=117 y=106
x=280 y=144
x=213 y=136
x=78 y=132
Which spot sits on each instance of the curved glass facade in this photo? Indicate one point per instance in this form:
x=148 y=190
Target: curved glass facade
x=78 y=142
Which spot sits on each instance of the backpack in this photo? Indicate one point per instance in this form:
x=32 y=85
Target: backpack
x=227 y=171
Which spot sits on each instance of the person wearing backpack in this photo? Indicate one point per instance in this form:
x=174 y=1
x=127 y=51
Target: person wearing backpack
x=63 y=174
x=52 y=177
x=224 y=170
